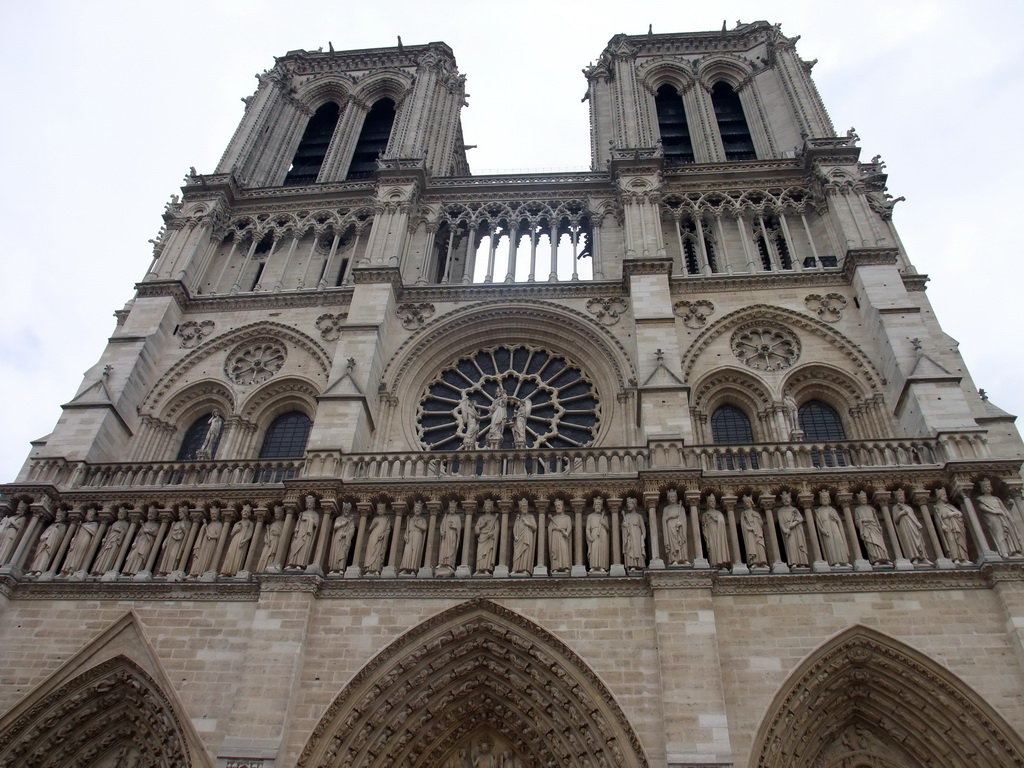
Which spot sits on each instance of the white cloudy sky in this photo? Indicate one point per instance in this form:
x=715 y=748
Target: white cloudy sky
x=107 y=104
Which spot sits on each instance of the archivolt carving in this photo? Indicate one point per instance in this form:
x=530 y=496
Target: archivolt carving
x=823 y=382
x=277 y=331
x=731 y=68
x=384 y=82
x=202 y=393
x=657 y=72
x=869 y=693
x=476 y=666
x=106 y=716
x=732 y=386
x=291 y=392
x=764 y=312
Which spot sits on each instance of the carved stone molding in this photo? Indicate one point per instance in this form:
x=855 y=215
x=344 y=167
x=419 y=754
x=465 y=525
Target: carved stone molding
x=414 y=315
x=694 y=313
x=330 y=325
x=192 y=332
x=828 y=307
x=607 y=310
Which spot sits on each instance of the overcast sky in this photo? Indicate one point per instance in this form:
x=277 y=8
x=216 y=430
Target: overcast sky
x=107 y=104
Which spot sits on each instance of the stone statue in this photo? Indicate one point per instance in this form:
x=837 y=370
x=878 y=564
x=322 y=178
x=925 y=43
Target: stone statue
x=997 y=520
x=486 y=530
x=951 y=524
x=523 y=410
x=908 y=528
x=341 y=538
x=713 y=526
x=597 y=537
x=791 y=522
x=792 y=412
x=238 y=544
x=79 y=550
x=560 y=539
x=415 y=533
x=207 y=449
x=10 y=527
x=752 y=527
x=524 y=535
x=830 y=527
x=498 y=413
x=467 y=420
x=106 y=558
x=451 y=527
x=205 y=547
x=870 y=531
x=271 y=539
x=673 y=519
x=377 y=540
x=304 y=536
x=143 y=543
x=484 y=757
x=49 y=542
x=634 y=537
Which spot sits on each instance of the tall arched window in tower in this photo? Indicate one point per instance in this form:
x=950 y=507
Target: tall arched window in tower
x=286 y=436
x=373 y=139
x=820 y=423
x=732 y=125
x=731 y=426
x=675 y=133
x=313 y=147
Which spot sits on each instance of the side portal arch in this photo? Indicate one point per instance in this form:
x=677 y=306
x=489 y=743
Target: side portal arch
x=476 y=674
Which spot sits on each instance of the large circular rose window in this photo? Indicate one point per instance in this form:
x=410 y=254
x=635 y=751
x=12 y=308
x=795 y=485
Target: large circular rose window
x=509 y=396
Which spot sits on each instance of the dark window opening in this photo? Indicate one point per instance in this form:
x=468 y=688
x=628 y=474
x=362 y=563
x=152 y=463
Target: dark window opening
x=309 y=157
x=821 y=424
x=259 y=273
x=194 y=438
x=732 y=125
x=690 y=257
x=675 y=133
x=373 y=139
x=730 y=426
x=712 y=259
x=286 y=437
x=762 y=249
x=829 y=261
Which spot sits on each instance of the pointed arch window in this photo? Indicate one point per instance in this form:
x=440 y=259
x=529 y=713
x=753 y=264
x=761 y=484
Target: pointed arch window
x=675 y=132
x=286 y=436
x=373 y=139
x=195 y=437
x=309 y=157
x=732 y=124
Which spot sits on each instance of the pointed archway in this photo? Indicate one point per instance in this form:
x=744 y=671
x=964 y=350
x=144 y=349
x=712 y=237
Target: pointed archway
x=475 y=677
x=107 y=706
x=866 y=699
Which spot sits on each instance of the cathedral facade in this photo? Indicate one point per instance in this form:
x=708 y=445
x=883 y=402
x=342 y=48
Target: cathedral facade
x=664 y=464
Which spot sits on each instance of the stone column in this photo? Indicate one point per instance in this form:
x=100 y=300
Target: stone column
x=227 y=517
x=805 y=498
x=328 y=511
x=578 y=567
x=617 y=567
x=429 y=555
x=146 y=574
x=75 y=518
x=541 y=569
x=285 y=542
x=134 y=520
x=354 y=571
x=920 y=497
x=844 y=499
x=692 y=498
x=656 y=561
x=390 y=571
x=881 y=498
x=196 y=519
x=986 y=553
x=260 y=516
x=778 y=563
x=40 y=515
x=465 y=569
x=501 y=570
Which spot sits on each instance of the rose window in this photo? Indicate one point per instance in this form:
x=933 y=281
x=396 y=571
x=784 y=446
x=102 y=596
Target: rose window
x=509 y=396
x=766 y=348
x=255 y=363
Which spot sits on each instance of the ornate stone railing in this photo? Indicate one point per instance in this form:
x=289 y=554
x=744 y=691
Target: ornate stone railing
x=164 y=475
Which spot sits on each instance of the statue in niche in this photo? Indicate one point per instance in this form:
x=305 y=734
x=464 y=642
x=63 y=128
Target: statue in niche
x=634 y=537
x=997 y=520
x=174 y=541
x=792 y=412
x=304 y=535
x=213 y=430
x=791 y=522
x=341 y=537
x=238 y=544
x=377 y=540
x=524 y=534
x=498 y=413
x=10 y=527
x=106 y=558
x=559 y=539
x=753 y=533
x=485 y=758
x=271 y=540
x=205 y=547
x=143 y=543
x=48 y=542
x=908 y=528
x=523 y=410
x=870 y=531
x=415 y=533
x=673 y=517
x=486 y=530
x=451 y=527
x=713 y=526
x=81 y=544
x=467 y=420
x=951 y=524
x=597 y=537
x=830 y=527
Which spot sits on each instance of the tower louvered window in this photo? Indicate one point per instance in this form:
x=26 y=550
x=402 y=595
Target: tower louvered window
x=309 y=157
x=373 y=139
x=675 y=133
x=732 y=125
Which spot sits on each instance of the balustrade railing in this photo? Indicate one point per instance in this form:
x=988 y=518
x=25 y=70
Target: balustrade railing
x=170 y=474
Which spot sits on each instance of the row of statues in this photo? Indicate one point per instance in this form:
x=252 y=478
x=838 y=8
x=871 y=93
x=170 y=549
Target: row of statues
x=515 y=537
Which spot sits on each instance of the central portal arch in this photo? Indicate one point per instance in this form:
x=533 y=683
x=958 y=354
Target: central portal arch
x=480 y=678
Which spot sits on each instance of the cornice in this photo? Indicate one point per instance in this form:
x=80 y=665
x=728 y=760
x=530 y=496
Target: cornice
x=741 y=38
x=511 y=291
x=719 y=283
x=914 y=283
x=330 y=297
x=221 y=591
